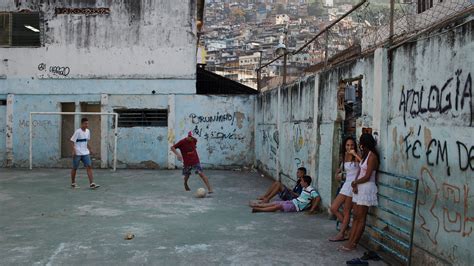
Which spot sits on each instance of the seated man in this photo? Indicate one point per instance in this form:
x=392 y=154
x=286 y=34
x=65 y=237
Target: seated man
x=309 y=196
x=283 y=192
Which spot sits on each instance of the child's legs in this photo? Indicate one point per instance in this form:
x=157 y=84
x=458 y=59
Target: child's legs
x=361 y=226
x=270 y=208
x=347 y=214
x=186 y=174
x=186 y=178
x=205 y=180
x=86 y=160
x=75 y=164
x=276 y=189
x=355 y=226
x=336 y=204
x=270 y=189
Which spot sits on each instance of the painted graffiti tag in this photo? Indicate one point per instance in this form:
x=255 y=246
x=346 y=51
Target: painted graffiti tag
x=217 y=118
x=219 y=135
x=56 y=70
x=36 y=123
x=451 y=199
x=62 y=71
x=454 y=98
x=298 y=140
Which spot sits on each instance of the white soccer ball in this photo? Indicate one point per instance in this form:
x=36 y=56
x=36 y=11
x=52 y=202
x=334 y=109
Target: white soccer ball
x=200 y=193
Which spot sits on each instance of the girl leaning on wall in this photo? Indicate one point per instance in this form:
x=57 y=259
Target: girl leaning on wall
x=347 y=172
x=364 y=188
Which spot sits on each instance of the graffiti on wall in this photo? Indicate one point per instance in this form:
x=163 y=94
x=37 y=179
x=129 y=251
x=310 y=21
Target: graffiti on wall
x=298 y=139
x=271 y=141
x=443 y=207
x=436 y=151
x=36 y=123
x=88 y=11
x=55 y=70
x=222 y=128
x=455 y=96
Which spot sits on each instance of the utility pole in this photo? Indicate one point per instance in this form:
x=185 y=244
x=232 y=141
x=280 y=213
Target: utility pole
x=392 y=11
x=286 y=54
x=259 y=72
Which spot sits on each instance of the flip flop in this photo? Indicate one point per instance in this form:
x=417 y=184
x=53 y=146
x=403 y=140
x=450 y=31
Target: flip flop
x=337 y=240
x=371 y=255
x=357 y=261
x=343 y=248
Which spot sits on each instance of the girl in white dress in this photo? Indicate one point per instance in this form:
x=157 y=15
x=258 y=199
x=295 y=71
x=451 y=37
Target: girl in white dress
x=364 y=188
x=350 y=169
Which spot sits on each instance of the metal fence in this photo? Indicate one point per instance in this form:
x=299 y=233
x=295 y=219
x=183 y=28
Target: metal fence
x=392 y=222
x=366 y=26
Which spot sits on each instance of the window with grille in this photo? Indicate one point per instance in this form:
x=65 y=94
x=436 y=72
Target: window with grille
x=20 y=30
x=142 y=117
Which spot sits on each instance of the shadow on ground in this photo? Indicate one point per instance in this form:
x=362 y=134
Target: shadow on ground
x=44 y=222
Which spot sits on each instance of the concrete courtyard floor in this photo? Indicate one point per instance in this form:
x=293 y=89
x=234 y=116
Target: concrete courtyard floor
x=44 y=222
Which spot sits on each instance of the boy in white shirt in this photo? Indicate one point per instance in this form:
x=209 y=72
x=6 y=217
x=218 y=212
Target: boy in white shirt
x=308 y=197
x=81 y=152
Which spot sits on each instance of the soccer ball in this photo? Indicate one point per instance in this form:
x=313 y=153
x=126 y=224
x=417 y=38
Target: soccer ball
x=200 y=193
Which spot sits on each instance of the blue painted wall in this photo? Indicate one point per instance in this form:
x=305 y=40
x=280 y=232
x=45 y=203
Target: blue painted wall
x=223 y=125
x=141 y=147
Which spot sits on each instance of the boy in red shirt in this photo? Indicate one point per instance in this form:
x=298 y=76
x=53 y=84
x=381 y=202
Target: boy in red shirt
x=190 y=158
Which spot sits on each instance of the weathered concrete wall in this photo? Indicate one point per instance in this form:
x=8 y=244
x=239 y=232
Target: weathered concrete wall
x=430 y=135
x=3 y=125
x=418 y=100
x=223 y=125
x=137 y=39
x=298 y=125
x=141 y=147
x=46 y=128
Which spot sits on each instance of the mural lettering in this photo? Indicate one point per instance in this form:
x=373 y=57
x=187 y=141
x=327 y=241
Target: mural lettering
x=454 y=96
x=436 y=151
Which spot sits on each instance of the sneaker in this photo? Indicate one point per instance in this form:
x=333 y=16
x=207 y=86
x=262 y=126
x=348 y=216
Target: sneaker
x=94 y=186
x=74 y=185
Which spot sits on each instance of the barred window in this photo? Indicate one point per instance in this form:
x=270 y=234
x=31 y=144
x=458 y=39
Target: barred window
x=20 y=30
x=142 y=117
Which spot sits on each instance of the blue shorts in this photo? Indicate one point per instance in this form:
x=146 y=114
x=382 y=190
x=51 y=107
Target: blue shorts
x=188 y=169
x=86 y=160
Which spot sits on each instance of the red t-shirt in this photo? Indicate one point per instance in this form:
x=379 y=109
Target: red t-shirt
x=187 y=146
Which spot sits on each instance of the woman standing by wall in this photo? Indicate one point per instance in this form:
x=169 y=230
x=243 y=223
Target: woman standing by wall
x=364 y=188
x=349 y=169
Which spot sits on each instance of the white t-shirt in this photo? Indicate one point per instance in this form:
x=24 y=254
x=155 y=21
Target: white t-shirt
x=80 y=139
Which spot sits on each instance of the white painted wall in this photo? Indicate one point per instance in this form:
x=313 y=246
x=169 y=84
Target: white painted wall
x=137 y=40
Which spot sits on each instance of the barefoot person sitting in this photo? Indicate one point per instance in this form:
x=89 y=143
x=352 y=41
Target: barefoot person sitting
x=308 y=197
x=283 y=192
x=348 y=171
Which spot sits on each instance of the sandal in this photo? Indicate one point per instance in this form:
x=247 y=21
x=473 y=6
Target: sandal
x=333 y=239
x=371 y=255
x=357 y=261
x=346 y=249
